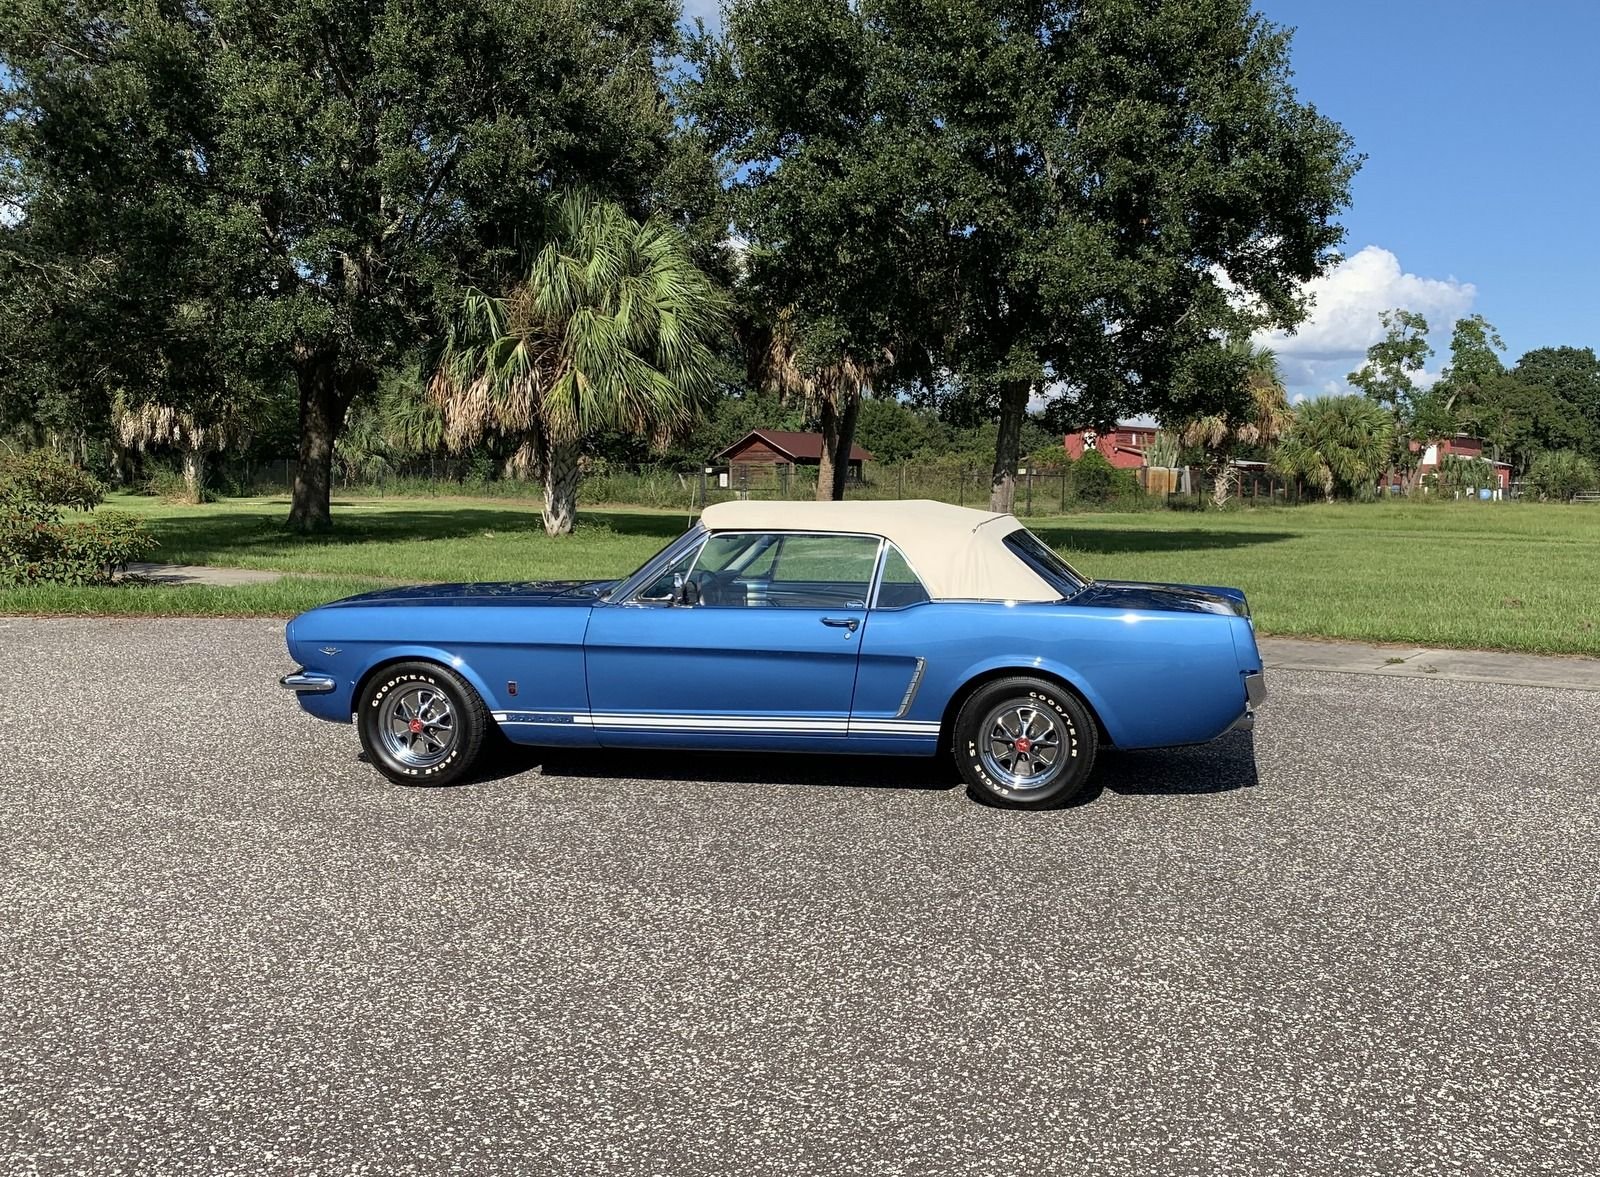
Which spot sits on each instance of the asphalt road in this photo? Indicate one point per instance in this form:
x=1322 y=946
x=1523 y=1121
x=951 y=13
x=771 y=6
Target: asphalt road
x=1367 y=944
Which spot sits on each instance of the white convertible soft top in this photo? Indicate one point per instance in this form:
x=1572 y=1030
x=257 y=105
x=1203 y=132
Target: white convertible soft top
x=956 y=552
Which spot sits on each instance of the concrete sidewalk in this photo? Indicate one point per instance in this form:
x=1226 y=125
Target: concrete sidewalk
x=1525 y=670
x=199 y=574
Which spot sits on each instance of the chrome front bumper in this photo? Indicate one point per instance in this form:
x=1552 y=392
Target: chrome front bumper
x=1255 y=690
x=311 y=684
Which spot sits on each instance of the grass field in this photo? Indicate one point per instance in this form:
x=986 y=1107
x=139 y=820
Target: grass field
x=1493 y=576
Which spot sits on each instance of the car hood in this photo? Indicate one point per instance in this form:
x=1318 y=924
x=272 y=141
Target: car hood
x=515 y=592
x=1168 y=598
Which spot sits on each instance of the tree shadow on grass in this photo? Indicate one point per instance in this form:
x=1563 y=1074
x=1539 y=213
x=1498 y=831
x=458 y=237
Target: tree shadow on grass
x=1124 y=540
x=211 y=537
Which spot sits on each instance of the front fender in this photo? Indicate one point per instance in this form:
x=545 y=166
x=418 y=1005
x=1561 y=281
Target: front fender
x=351 y=666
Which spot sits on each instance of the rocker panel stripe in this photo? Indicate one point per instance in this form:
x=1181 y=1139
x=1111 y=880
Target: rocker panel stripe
x=799 y=725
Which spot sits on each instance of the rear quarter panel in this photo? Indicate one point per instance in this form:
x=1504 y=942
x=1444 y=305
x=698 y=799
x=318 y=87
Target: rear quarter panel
x=1154 y=678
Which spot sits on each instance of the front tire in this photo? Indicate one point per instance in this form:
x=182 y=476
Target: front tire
x=1025 y=743
x=421 y=724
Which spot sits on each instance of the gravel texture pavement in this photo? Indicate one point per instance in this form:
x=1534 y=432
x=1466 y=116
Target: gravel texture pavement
x=1366 y=943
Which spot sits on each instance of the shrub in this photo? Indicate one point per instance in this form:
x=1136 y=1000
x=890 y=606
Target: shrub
x=1096 y=480
x=170 y=486
x=1458 y=475
x=45 y=477
x=1560 y=474
x=38 y=546
x=1092 y=477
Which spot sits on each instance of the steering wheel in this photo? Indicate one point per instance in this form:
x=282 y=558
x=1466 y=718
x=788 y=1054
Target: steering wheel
x=711 y=586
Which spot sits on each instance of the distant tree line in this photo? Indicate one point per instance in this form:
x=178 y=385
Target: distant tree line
x=1541 y=416
x=527 y=228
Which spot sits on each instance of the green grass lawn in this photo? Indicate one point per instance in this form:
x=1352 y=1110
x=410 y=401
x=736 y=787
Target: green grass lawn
x=1489 y=575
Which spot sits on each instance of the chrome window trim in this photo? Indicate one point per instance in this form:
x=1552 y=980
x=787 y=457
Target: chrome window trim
x=628 y=590
x=877 y=583
x=706 y=535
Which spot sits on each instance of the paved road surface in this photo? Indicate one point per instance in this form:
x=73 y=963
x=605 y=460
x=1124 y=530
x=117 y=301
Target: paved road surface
x=1370 y=944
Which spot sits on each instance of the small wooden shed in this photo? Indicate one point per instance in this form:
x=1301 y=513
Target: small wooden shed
x=765 y=455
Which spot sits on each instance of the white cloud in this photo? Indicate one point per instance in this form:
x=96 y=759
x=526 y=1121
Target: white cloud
x=1345 y=319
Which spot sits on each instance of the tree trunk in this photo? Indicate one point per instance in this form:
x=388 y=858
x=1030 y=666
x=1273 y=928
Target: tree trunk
x=194 y=473
x=1008 y=445
x=838 y=439
x=560 y=488
x=1222 y=485
x=322 y=408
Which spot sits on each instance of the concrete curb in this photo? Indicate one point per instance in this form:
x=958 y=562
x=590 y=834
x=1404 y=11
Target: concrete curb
x=1487 y=666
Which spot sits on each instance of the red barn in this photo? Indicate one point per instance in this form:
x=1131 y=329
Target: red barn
x=1462 y=446
x=1123 y=446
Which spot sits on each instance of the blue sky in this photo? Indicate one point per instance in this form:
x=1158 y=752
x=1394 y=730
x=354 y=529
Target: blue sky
x=1481 y=124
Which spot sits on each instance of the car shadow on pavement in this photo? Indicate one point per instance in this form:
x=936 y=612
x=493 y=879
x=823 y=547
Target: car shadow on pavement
x=852 y=772
x=1221 y=766
x=1218 y=767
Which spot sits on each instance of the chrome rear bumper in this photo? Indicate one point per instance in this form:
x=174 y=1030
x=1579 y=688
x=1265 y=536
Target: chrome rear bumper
x=1255 y=690
x=311 y=684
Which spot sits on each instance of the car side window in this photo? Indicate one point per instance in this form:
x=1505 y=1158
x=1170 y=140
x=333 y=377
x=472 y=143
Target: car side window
x=899 y=585
x=660 y=589
x=786 y=571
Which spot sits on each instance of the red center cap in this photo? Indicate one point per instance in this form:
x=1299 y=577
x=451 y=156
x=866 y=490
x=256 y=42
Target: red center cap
x=1023 y=743
x=416 y=725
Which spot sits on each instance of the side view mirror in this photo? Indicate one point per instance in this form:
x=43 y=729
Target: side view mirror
x=684 y=592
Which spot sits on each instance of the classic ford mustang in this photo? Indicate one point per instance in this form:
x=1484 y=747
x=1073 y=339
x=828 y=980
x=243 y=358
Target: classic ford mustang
x=901 y=628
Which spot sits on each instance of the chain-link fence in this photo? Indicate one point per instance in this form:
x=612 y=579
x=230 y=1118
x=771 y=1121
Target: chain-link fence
x=1041 y=491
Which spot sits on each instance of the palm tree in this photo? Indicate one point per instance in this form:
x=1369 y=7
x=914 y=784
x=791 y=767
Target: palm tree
x=1266 y=416
x=829 y=393
x=612 y=329
x=1339 y=443
x=195 y=435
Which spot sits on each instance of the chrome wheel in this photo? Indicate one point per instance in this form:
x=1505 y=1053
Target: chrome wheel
x=1021 y=746
x=417 y=725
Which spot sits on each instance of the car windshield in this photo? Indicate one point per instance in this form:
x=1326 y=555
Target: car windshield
x=1042 y=558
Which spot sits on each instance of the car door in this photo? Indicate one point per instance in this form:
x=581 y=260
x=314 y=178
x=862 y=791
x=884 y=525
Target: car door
x=759 y=649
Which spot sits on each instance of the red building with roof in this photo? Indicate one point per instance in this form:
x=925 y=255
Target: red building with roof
x=1122 y=446
x=1462 y=445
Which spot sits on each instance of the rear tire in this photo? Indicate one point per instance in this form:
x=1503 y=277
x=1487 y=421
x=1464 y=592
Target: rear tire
x=421 y=724
x=1025 y=743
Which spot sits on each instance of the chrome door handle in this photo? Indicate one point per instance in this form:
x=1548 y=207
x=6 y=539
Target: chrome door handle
x=849 y=623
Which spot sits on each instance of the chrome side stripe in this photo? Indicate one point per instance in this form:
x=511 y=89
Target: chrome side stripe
x=799 y=725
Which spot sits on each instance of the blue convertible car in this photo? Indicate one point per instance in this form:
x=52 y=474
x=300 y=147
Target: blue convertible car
x=899 y=628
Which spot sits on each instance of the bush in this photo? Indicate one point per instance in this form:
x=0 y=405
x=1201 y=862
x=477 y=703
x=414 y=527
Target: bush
x=1096 y=480
x=170 y=486
x=1458 y=475
x=1560 y=474
x=38 y=547
x=44 y=477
